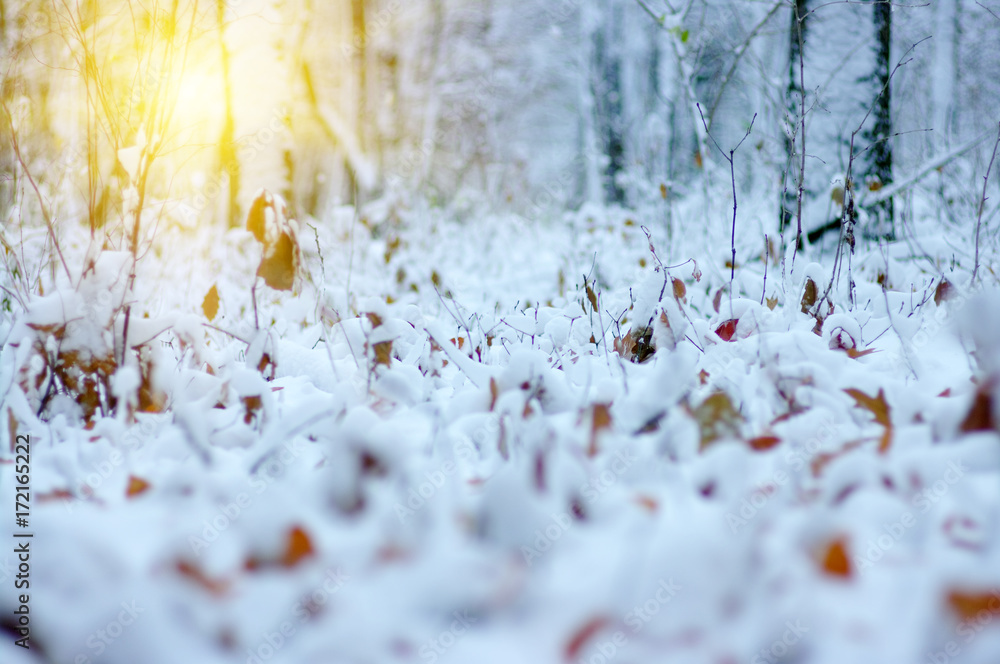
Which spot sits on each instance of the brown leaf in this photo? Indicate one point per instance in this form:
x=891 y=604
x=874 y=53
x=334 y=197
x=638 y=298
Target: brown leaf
x=136 y=486
x=494 y=393
x=761 y=443
x=771 y=302
x=980 y=416
x=717 y=300
x=383 y=353
x=944 y=292
x=809 y=296
x=584 y=634
x=210 y=305
x=680 y=290
x=648 y=502
x=717 y=419
x=880 y=409
x=969 y=606
x=601 y=419
x=834 y=560
x=854 y=353
x=592 y=297
x=251 y=406
x=727 y=330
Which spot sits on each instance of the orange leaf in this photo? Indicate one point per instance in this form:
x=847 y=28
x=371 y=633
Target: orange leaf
x=834 y=560
x=297 y=549
x=761 y=443
x=582 y=635
x=136 y=486
x=192 y=572
x=210 y=305
x=880 y=409
x=601 y=420
x=970 y=606
x=854 y=353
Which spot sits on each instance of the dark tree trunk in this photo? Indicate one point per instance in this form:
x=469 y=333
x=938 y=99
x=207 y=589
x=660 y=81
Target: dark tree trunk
x=878 y=166
x=608 y=102
x=793 y=106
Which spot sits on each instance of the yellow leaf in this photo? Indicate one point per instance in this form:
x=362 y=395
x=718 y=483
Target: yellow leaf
x=210 y=305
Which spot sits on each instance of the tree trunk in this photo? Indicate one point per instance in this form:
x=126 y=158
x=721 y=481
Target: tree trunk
x=229 y=166
x=794 y=134
x=606 y=81
x=878 y=166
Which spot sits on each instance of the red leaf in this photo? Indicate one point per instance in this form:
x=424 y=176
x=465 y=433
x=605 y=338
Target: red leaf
x=727 y=330
x=582 y=635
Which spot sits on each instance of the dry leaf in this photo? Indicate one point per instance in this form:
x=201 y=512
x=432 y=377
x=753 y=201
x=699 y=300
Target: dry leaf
x=383 y=353
x=771 y=302
x=592 y=297
x=584 y=634
x=880 y=409
x=251 y=406
x=494 y=393
x=943 y=292
x=210 y=305
x=761 y=443
x=727 y=330
x=970 y=606
x=717 y=419
x=601 y=419
x=297 y=548
x=680 y=290
x=136 y=486
x=717 y=300
x=980 y=416
x=834 y=560
x=809 y=295
x=192 y=572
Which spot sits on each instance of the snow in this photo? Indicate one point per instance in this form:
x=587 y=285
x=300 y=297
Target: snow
x=445 y=407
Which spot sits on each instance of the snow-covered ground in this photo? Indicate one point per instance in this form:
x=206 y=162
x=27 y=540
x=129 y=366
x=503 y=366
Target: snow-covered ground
x=457 y=459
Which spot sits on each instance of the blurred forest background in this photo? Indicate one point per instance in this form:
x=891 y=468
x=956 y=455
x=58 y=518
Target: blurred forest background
x=528 y=106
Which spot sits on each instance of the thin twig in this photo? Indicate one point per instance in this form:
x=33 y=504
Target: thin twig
x=982 y=203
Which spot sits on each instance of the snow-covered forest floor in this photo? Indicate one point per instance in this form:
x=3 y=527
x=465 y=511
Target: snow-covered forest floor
x=460 y=458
